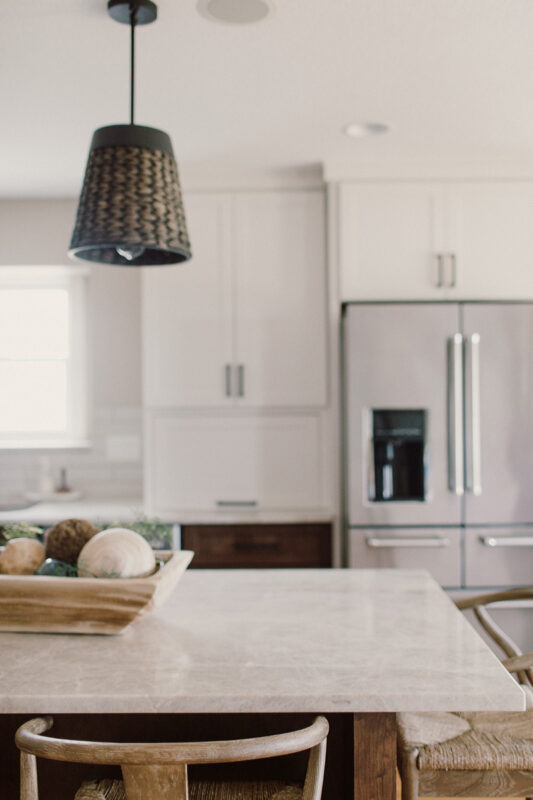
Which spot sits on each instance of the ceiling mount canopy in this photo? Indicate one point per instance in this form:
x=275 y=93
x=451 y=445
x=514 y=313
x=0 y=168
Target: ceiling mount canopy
x=130 y=210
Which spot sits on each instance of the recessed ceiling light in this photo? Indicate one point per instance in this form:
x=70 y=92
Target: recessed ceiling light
x=360 y=129
x=235 y=12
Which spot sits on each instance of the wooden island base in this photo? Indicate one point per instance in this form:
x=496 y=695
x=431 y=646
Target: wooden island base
x=374 y=768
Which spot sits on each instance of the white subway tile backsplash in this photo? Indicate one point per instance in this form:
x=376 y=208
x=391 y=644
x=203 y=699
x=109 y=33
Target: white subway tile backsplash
x=115 y=431
x=124 y=448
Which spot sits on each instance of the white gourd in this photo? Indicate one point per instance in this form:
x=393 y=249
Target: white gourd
x=116 y=553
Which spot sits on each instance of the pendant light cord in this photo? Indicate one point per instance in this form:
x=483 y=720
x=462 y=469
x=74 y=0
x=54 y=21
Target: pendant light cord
x=133 y=19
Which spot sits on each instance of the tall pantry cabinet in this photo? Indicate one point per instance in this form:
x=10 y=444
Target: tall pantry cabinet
x=234 y=357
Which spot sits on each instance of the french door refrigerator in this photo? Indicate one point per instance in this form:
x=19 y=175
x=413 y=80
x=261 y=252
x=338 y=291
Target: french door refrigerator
x=438 y=420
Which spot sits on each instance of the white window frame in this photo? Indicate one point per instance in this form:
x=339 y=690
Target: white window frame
x=74 y=280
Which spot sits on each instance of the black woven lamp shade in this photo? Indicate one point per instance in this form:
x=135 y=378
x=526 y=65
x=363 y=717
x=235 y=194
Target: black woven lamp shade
x=130 y=210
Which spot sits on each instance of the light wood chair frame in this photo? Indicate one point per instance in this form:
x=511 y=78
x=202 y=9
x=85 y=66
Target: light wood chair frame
x=158 y=771
x=466 y=783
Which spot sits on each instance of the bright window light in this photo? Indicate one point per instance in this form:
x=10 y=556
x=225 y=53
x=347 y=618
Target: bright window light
x=42 y=357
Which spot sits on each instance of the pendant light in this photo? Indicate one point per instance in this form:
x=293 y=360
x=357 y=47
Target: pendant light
x=130 y=209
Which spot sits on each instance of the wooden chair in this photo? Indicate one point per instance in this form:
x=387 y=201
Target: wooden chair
x=481 y=754
x=158 y=771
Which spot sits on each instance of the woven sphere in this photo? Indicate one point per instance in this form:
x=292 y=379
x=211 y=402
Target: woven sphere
x=66 y=539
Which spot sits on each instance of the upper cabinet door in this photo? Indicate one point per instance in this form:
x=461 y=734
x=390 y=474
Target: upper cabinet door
x=491 y=234
x=392 y=242
x=280 y=298
x=187 y=315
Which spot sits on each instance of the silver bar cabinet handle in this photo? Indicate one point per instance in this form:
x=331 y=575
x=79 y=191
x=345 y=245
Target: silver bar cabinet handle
x=236 y=503
x=227 y=371
x=506 y=541
x=440 y=271
x=406 y=541
x=240 y=380
x=453 y=264
x=456 y=476
x=475 y=406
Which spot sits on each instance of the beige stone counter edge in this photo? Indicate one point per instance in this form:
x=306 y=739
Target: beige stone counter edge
x=244 y=705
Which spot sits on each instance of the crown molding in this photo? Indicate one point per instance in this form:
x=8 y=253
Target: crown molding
x=338 y=171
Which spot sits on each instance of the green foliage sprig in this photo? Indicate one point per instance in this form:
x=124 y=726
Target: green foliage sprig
x=17 y=530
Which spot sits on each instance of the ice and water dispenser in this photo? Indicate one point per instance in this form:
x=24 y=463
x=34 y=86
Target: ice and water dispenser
x=398 y=455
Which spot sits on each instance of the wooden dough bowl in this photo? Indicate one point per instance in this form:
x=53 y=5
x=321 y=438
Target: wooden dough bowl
x=42 y=604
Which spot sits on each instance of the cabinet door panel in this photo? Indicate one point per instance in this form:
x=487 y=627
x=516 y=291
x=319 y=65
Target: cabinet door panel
x=492 y=237
x=389 y=238
x=187 y=333
x=234 y=462
x=280 y=297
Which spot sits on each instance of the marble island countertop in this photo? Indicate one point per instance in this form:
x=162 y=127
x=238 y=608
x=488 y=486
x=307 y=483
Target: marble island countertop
x=269 y=641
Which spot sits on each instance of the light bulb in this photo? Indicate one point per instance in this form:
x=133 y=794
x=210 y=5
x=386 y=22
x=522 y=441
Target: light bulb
x=130 y=253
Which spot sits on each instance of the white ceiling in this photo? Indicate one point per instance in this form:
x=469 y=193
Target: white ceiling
x=452 y=78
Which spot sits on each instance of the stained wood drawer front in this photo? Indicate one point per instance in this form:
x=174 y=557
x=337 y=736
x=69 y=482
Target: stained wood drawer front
x=251 y=546
x=436 y=549
x=499 y=557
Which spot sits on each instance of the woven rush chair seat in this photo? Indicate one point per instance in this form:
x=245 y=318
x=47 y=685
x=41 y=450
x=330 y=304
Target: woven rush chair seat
x=478 y=741
x=109 y=789
x=473 y=754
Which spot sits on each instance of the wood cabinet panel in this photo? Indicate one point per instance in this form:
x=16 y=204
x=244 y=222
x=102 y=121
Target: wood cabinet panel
x=258 y=546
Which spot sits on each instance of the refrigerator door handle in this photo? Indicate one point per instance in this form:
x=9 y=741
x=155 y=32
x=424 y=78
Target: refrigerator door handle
x=377 y=542
x=456 y=476
x=474 y=399
x=506 y=541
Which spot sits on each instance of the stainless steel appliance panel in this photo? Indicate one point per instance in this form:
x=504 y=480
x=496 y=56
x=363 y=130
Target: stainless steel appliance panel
x=438 y=550
x=499 y=413
x=499 y=556
x=405 y=356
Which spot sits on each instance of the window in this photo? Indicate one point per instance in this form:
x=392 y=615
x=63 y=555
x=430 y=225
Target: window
x=43 y=360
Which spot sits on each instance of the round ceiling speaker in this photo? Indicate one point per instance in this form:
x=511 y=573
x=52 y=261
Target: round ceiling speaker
x=235 y=12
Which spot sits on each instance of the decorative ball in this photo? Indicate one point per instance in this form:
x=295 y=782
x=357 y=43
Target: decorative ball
x=116 y=553
x=58 y=569
x=21 y=557
x=66 y=539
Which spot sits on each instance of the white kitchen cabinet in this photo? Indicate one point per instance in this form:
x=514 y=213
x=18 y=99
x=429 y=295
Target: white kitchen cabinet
x=436 y=240
x=186 y=314
x=234 y=462
x=492 y=236
x=280 y=298
x=244 y=322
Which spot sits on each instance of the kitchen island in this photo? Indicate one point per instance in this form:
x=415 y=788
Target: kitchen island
x=356 y=645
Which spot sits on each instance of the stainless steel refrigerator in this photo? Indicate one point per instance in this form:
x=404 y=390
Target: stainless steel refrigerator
x=438 y=413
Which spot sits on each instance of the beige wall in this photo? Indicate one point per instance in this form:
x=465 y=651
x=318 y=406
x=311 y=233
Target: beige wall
x=36 y=232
